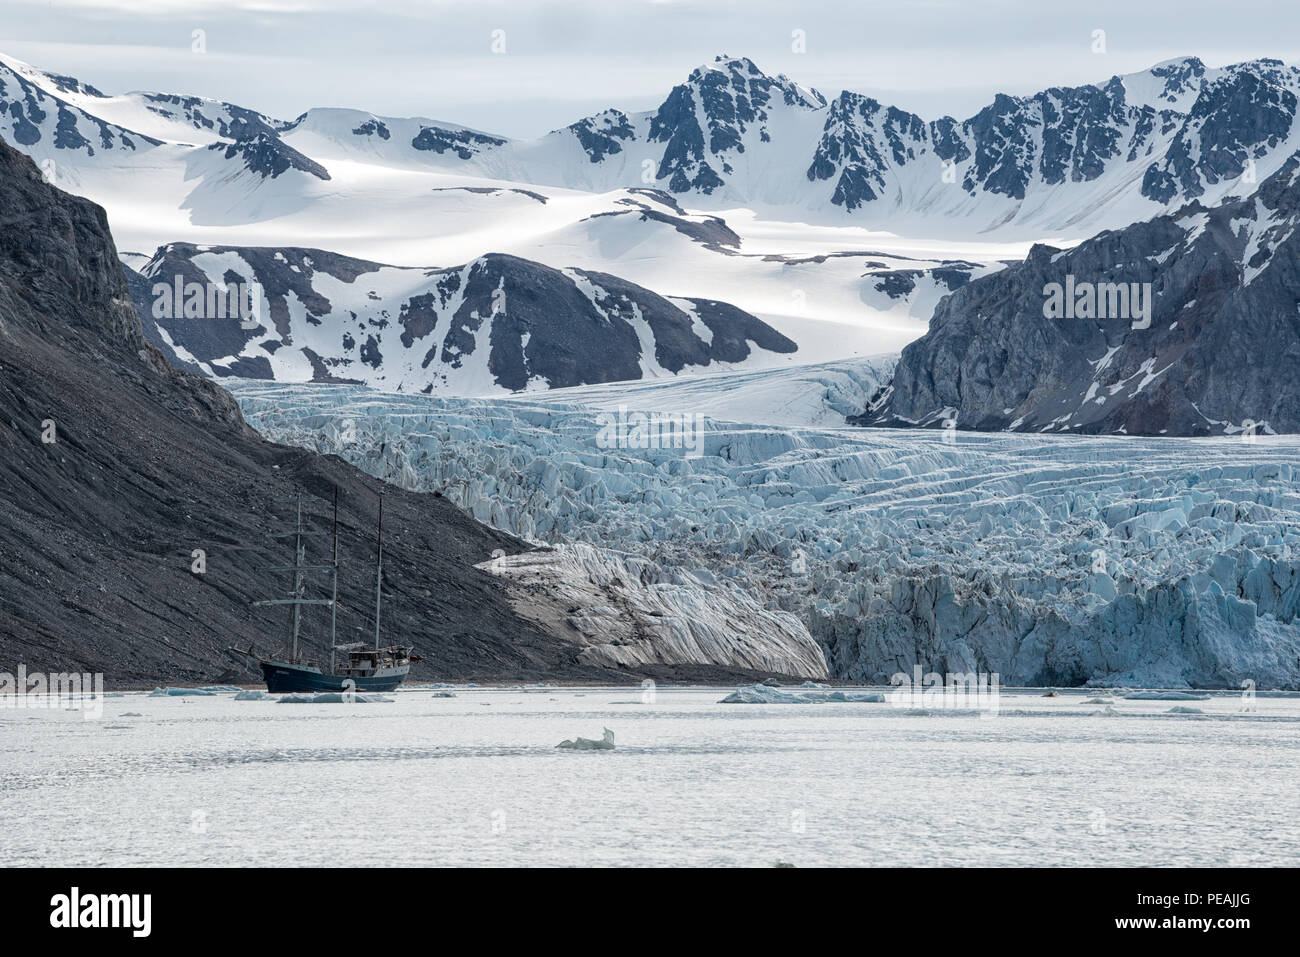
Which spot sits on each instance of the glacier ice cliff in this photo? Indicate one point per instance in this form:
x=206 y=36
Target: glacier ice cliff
x=628 y=612
x=1055 y=560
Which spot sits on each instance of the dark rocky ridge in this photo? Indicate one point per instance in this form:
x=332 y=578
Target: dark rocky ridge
x=536 y=322
x=269 y=156
x=1223 y=347
x=227 y=120
x=97 y=528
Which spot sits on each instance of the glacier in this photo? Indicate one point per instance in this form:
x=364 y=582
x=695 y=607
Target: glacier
x=1050 y=560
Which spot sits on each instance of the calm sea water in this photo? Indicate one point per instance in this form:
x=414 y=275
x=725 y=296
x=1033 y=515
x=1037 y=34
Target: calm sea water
x=477 y=780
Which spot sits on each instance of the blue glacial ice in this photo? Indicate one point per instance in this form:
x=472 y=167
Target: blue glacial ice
x=819 y=551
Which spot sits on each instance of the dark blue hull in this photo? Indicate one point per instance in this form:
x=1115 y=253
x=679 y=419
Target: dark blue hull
x=282 y=678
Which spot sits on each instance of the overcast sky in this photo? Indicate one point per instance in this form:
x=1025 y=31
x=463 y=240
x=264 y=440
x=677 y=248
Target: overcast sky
x=564 y=59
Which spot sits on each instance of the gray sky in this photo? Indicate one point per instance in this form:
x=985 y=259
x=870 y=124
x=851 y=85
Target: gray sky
x=564 y=59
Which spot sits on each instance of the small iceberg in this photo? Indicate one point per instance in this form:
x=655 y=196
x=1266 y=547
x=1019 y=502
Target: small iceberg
x=177 y=692
x=334 y=697
x=759 y=694
x=586 y=744
x=1100 y=701
x=131 y=714
x=444 y=694
x=1180 y=709
x=220 y=689
x=1166 y=696
x=253 y=696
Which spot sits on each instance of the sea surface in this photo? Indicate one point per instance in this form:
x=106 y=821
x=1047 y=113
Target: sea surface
x=477 y=779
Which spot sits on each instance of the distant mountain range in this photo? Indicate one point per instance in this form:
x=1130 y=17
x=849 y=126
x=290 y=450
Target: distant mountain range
x=1065 y=160
x=594 y=254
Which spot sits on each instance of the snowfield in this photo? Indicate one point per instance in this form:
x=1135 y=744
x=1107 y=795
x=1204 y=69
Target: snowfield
x=1048 y=560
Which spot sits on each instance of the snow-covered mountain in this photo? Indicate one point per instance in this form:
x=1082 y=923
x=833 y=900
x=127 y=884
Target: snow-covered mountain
x=1213 y=349
x=639 y=196
x=1060 y=161
x=40 y=116
x=495 y=324
x=1065 y=161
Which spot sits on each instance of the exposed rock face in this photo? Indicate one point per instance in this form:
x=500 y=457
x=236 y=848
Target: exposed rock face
x=733 y=97
x=497 y=324
x=225 y=120
x=463 y=143
x=98 y=527
x=268 y=156
x=1218 y=354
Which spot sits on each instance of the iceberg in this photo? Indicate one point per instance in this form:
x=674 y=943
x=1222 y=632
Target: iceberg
x=606 y=743
x=178 y=692
x=818 y=694
x=253 y=696
x=334 y=697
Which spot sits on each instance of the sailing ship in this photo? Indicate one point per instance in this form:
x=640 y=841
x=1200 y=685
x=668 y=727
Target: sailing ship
x=353 y=667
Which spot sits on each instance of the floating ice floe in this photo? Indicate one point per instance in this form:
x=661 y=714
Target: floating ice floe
x=334 y=697
x=221 y=689
x=1182 y=709
x=1166 y=696
x=178 y=692
x=444 y=694
x=817 y=694
x=587 y=744
x=252 y=696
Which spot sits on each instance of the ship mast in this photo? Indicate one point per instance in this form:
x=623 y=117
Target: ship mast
x=334 y=595
x=299 y=553
x=379 y=568
x=298 y=567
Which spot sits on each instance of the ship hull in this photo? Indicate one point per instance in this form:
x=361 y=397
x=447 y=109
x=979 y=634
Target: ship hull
x=284 y=677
